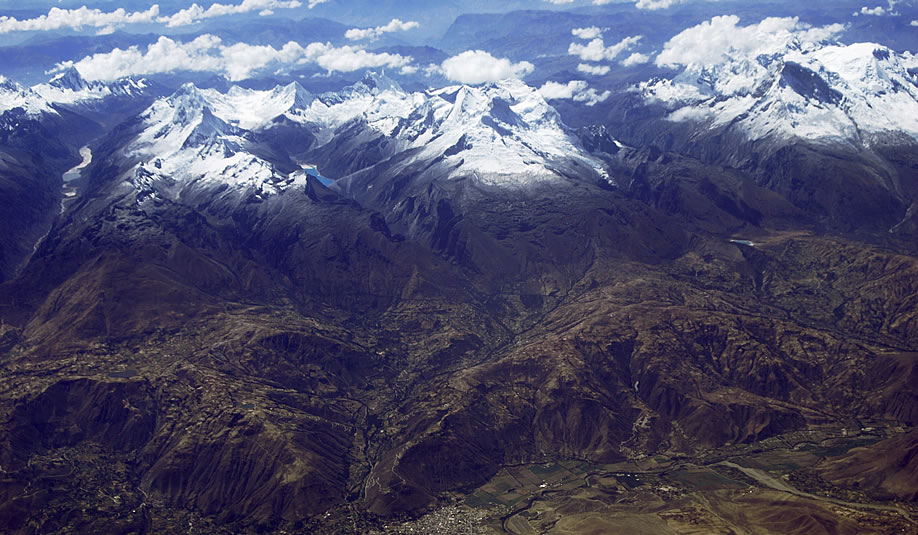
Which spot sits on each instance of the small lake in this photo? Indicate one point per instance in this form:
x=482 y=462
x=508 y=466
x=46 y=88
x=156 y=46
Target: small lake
x=69 y=189
x=313 y=171
x=75 y=171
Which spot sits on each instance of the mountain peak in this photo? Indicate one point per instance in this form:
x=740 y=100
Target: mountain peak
x=209 y=130
x=373 y=84
x=68 y=79
x=8 y=85
x=188 y=91
x=188 y=102
x=298 y=96
x=13 y=95
x=378 y=83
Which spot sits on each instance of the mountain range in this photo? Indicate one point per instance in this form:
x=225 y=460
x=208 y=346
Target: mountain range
x=392 y=307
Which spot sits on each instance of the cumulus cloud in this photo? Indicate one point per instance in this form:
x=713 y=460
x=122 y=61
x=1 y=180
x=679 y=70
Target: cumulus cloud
x=656 y=4
x=644 y=4
x=586 y=33
x=196 y=13
x=596 y=50
x=914 y=23
x=595 y=70
x=576 y=90
x=721 y=38
x=560 y=1
x=647 y=4
x=349 y=58
x=478 y=67
x=591 y=97
x=879 y=11
x=107 y=22
x=239 y=61
x=636 y=59
x=395 y=25
x=556 y=90
x=77 y=19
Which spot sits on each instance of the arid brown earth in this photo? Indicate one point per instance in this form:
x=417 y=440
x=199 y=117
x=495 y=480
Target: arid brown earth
x=324 y=364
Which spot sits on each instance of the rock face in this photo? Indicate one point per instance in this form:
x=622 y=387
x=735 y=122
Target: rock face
x=213 y=334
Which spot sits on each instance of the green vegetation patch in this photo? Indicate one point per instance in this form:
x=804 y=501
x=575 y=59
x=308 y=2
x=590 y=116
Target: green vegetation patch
x=629 y=480
x=541 y=470
x=124 y=374
x=482 y=499
x=704 y=480
x=835 y=450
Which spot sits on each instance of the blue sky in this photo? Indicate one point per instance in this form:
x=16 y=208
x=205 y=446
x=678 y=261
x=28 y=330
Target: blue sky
x=185 y=36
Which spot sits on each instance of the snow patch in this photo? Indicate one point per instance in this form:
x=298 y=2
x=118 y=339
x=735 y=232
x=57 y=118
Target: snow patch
x=802 y=89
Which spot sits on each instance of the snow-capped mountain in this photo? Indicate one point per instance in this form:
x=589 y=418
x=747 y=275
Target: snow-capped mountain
x=184 y=147
x=13 y=95
x=858 y=94
x=69 y=87
x=254 y=110
x=502 y=134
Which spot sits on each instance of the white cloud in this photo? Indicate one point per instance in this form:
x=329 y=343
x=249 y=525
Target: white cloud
x=914 y=22
x=196 y=13
x=879 y=11
x=478 y=67
x=644 y=4
x=721 y=38
x=77 y=19
x=555 y=90
x=350 y=58
x=596 y=70
x=591 y=98
x=558 y=2
x=395 y=25
x=165 y=55
x=576 y=90
x=239 y=61
x=636 y=59
x=657 y=4
x=596 y=50
x=586 y=33
x=690 y=113
x=107 y=22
